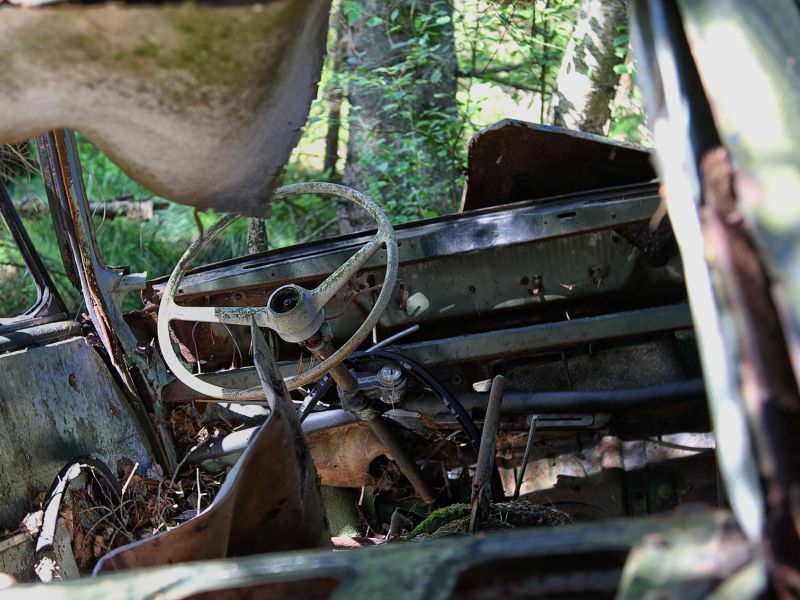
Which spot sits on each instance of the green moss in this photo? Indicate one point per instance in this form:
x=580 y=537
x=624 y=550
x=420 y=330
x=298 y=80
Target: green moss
x=440 y=517
x=235 y=48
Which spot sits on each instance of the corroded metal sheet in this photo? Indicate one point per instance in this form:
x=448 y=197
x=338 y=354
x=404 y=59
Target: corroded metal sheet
x=514 y=160
x=200 y=102
x=270 y=501
x=58 y=401
x=343 y=455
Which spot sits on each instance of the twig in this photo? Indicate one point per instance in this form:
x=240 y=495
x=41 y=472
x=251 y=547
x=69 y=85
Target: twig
x=199 y=493
x=127 y=481
x=318 y=230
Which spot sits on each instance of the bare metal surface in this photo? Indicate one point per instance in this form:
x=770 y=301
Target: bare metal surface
x=200 y=102
x=482 y=480
x=270 y=501
x=59 y=401
x=304 y=318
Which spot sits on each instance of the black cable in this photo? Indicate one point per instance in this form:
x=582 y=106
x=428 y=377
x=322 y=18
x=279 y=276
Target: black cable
x=448 y=399
x=453 y=405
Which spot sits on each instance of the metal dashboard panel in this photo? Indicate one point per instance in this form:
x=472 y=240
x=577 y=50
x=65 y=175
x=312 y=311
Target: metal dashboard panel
x=482 y=262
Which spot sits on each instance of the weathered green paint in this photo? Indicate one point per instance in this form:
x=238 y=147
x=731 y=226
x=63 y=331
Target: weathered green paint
x=57 y=402
x=408 y=571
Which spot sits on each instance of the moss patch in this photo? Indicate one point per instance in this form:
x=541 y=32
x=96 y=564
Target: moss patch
x=454 y=519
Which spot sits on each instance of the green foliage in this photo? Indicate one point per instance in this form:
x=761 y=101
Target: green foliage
x=627 y=113
x=18 y=290
x=516 y=46
x=621 y=42
x=103 y=179
x=414 y=162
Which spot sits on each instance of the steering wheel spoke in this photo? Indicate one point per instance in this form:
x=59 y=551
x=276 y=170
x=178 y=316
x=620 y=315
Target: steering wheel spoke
x=336 y=280
x=229 y=315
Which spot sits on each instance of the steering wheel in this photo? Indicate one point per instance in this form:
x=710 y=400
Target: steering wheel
x=293 y=312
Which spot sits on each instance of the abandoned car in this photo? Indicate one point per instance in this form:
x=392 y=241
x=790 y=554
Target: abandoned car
x=557 y=392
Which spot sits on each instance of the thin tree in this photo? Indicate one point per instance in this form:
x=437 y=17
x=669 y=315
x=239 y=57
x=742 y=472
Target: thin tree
x=403 y=113
x=587 y=82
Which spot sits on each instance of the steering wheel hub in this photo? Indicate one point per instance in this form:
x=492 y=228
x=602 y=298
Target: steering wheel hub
x=294 y=314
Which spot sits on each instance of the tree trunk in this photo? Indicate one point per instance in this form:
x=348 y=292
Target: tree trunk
x=125 y=206
x=393 y=154
x=256 y=236
x=586 y=82
x=335 y=97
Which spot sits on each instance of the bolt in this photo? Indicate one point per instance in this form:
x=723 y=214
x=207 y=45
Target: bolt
x=389 y=375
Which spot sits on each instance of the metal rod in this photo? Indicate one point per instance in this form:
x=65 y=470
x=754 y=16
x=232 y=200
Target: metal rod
x=237 y=441
x=482 y=482
x=394 y=338
x=525 y=457
x=563 y=402
x=403 y=460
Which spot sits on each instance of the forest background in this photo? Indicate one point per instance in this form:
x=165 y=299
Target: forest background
x=405 y=85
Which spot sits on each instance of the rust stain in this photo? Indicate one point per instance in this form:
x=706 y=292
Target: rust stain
x=343 y=455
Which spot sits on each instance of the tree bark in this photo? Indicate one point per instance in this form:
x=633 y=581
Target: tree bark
x=135 y=210
x=256 y=236
x=586 y=82
x=335 y=97
x=390 y=155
